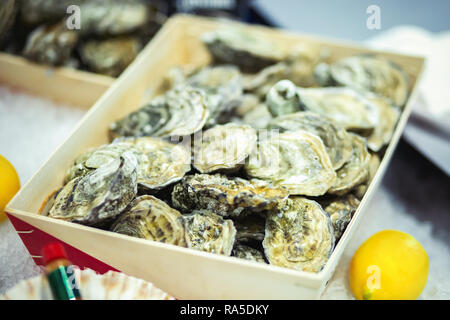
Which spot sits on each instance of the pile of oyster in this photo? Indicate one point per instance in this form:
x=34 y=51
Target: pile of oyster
x=104 y=38
x=262 y=155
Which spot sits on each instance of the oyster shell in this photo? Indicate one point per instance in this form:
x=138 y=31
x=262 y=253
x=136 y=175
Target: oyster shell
x=247 y=103
x=344 y=105
x=100 y=196
x=34 y=12
x=242 y=251
x=261 y=82
x=207 y=231
x=258 y=117
x=296 y=160
x=302 y=62
x=298 y=67
x=160 y=163
x=223 y=147
x=181 y=111
x=8 y=11
x=372 y=73
x=223 y=88
x=113 y=17
x=283 y=99
x=335 y=138
x=388 y=115
x=355 y=171
x=251 y=227
x=110 y=56
x=149 y=218
x=341 y=210
x=52 y=45
x=374 y=163
x=299 y=235
x=249 y=51
x=224 y=195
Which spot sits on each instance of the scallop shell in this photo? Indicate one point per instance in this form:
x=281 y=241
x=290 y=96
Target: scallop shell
x=93 y=286
x=207 y=231
x=299 y=235
x=223 y=147
x=242 y=251
x=150 y=218
x=296 y=160
x=335 y=138
x=99 y=196
x=374 y=74
x=248 y=50
x=355 y=171
x=160 y=163
x=224 y=195
x=341 y=210
x=180 y=112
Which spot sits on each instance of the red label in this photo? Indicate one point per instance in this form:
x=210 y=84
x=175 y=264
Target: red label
x=35 y=239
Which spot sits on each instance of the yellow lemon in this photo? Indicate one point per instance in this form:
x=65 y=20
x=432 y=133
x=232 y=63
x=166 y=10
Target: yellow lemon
x=389 y=265
x=9 y=184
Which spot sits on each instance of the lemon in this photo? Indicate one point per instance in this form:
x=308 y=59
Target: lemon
x=390 y=265
x=9 y=184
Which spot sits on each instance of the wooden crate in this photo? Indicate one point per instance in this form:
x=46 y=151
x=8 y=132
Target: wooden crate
x=62 y=85
x=184 y=273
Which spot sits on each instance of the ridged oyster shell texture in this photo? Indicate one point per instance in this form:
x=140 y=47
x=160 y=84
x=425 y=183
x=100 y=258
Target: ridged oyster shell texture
x=262 y=155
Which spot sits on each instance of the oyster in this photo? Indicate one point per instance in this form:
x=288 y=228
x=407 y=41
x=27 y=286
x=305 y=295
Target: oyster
x=149 y=218
x=247 y=103
x=341 y=210
x=302 y=62
x=298 y=67
x=344 y=105
x=374 y=163
x=224 y=195
x=100 y=196
x=34 y=12
x=355 y=171
x=249 y=51
x=261 y=82
x=181 y=111
x=296 y=160
x=51 y=45
x=110 y=56
x=299 y=235
x=207 y=231
x=283 y=99
x=374 y=74
x=242 y=251
x=251 y=227
x=160 y=163
x=388 y=115
x=8 y=11
x=177 y=76
x=223 y=88
x=258 y=117
x=113 y=17
x=223 y=147
x=335 y=138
